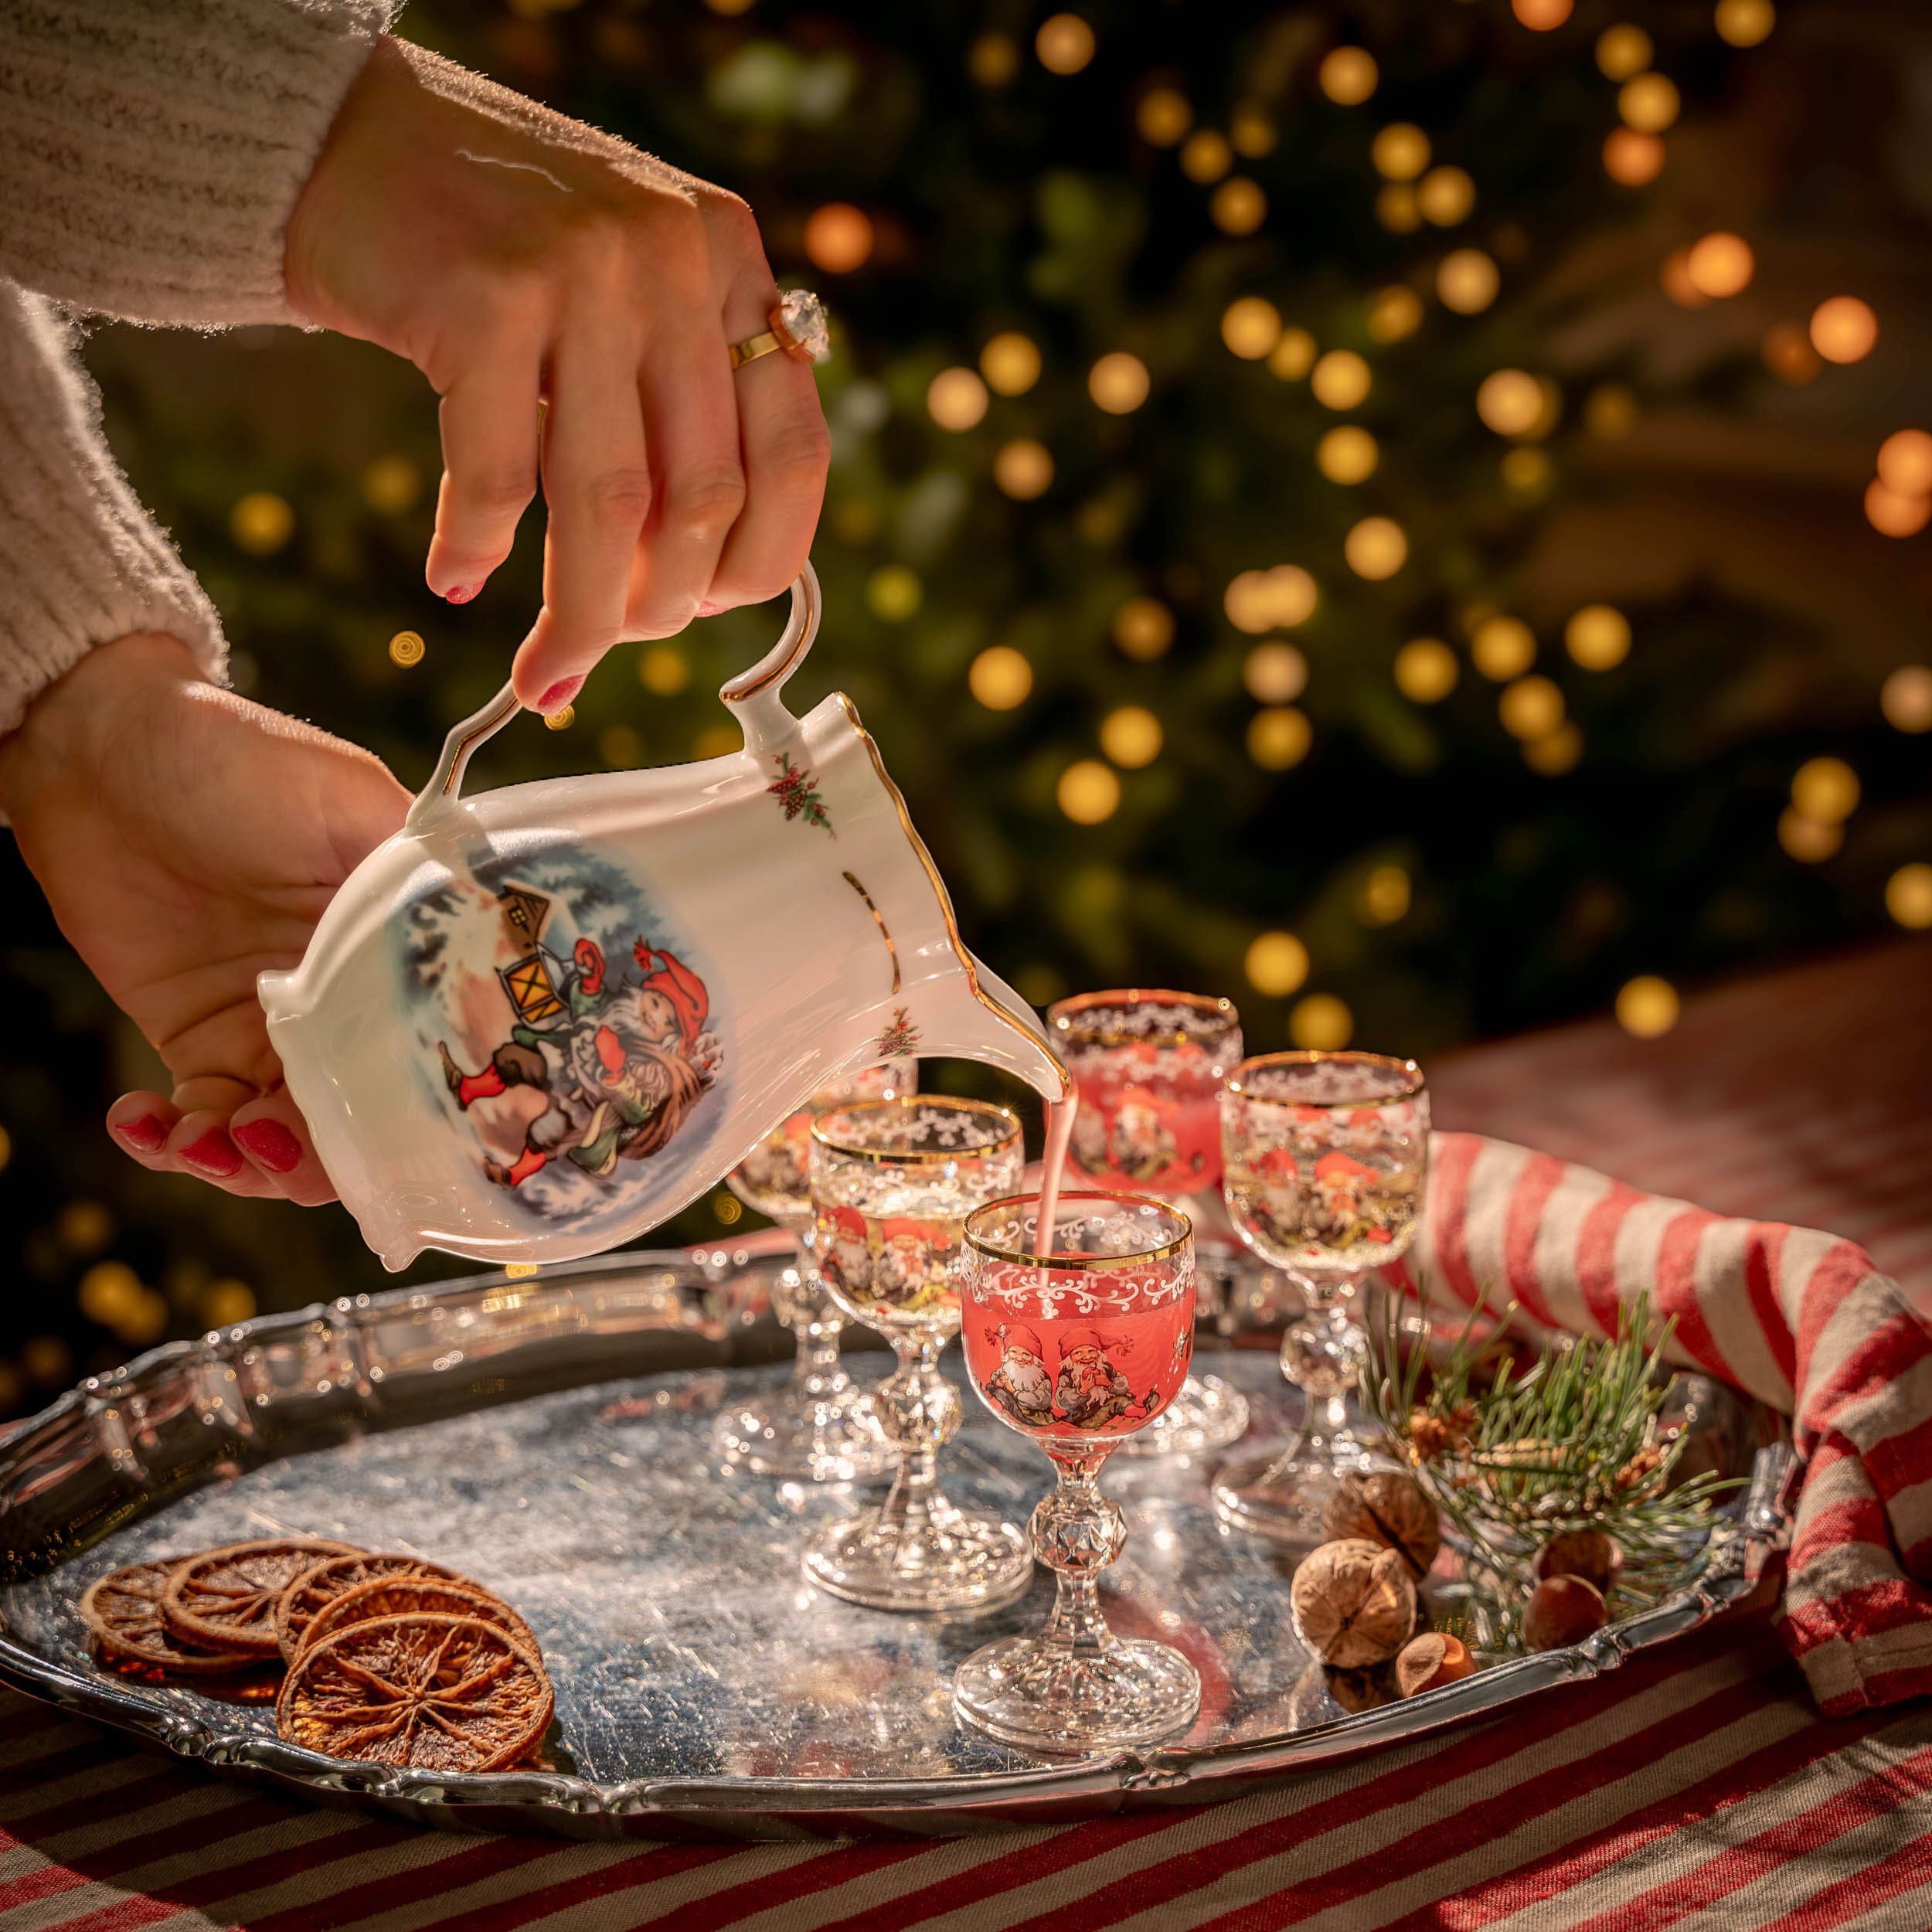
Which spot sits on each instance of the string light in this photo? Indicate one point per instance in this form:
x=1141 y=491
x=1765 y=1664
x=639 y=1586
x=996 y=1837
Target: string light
x=894 y=593
x=1163 y=116
x=1274 y=673
x=1789 y=355
x=1401 y=151
x=1144 y=629
x=1348 y=76
x=1251 y=326
x=1132 y=736
x=1908 y=896
x=1825 y=790
x=1622 y=51
x=1598 y=637
x=1610 y=411
x=1321 y=1023
x=1467 y=281
x=1252 y=132
x=1891 y=515
x=1551 y=757
x=1649 y=102
x=1647 y=1007
x=1340 y=380
x=993 y=59
x=406 y=648
x=1276 y=964
x=1398 y=208
x=1000 y=677
x=1445 y=196
x=1425 y=670
x=1905 y=699
x=1293 y=356
x=1394 y=312
x=1347 y=454
x=1375 y=548
x=1023 y=469
x=663 y=669
x=956 y=399
x=1721 y=264
x=1088 y=793
x=1745 y=23
x=1503 y=648
x=1205 y=157
x=1530 y=708
x=1281 y=598
x=261 y=522
x=1844 y=329
x=1905 y=462
x=1805 y=839
x=560 y=719
x=838 y=237
x=1634 y=159
x=1512 y=402
x=1064 y=43
x=1010 y=363
x=1118 y=382
x=1526 y=471
x=1384 y=897
x=391 y=485
x=1238 y=207
x=1279 y=737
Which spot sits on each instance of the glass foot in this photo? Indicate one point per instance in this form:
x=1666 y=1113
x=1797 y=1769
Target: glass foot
x=1206 y=1414
x=1050 y=1697
x=945 y=1559
x=799 y=1436
x=1281 y=1496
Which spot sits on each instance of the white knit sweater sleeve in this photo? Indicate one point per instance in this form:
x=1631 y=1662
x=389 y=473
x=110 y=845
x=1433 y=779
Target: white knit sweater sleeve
x=151 y=151
x=80 y=561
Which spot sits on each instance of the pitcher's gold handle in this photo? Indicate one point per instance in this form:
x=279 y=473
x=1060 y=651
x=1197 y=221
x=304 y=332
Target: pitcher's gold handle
x=753 y=696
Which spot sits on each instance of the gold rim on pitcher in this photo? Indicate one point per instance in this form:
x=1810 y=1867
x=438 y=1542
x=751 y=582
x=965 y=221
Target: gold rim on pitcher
x=1079 y=1263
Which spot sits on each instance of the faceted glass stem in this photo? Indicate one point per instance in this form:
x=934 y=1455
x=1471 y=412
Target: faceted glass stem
x=1075 y=1532
x=919 y=1413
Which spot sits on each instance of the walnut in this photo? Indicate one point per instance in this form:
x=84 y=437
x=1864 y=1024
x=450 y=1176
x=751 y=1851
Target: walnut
x=1591 y=1554
x=1561 y=1610
x=1387 y=1507
x=1430 y=1661
x=1353 y=1603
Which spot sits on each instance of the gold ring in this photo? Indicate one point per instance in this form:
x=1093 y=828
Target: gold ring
x=798 y=325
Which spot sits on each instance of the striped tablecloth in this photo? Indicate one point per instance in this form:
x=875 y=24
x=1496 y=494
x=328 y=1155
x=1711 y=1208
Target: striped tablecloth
x=1696 y=1788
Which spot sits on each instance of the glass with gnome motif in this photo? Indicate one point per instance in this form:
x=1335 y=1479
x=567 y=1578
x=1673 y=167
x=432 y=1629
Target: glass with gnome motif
x=1079 y=1348
x=1326 y=1155
x=1147 y=1065
x=818 y=1426
x=892 y=1182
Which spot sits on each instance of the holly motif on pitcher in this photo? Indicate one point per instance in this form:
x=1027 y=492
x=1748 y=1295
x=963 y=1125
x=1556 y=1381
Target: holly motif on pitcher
x=796 y=790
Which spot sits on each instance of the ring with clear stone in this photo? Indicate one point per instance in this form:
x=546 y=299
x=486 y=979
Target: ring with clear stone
x=798 y=326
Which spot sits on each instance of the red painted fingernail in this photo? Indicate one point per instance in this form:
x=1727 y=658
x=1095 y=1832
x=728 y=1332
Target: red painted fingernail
x=270 y=1143
x=461 y=594
x=559 y=695
x=215 y=1153
x=147 y=1133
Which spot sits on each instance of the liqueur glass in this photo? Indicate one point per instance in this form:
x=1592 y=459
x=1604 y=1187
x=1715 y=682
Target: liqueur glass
x=1147 y=1066
x=892 y=1184
x=1326 y=1155
x=1080 y=1348
x=817 y=1426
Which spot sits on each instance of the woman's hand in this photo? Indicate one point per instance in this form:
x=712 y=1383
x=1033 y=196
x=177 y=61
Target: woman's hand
x=514 y=255
x=187 y=840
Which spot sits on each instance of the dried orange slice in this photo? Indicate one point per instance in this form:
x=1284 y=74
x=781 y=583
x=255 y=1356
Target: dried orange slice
x=321 y=1583
x=413 y=1596
x=436 y=1693
x=224 y=1599
x=123 y=1611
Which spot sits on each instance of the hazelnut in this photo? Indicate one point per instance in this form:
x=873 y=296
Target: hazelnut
x=1353 y=1603
x=1432 y=1660
x=1591 y=1554
x=1561 y=1611
x=1388 y=1507
x=1356 y=1691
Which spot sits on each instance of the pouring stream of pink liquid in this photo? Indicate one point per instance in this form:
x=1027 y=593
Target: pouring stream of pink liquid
x=1059 y=1132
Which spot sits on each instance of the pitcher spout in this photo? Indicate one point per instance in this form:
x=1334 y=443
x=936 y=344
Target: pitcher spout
x=987 y=1020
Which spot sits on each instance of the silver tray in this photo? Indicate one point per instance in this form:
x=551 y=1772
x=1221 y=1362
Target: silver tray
x=550 y=1436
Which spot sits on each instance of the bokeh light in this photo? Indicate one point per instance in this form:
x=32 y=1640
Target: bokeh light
x=406 y=648
x=1340 y=380
x=1789 y=355
x=392 y=485
x=1648 y=102
x=663 y=669
x=1274 y=673
x=1527 y=471
x=1163 y=116
x=1144 y=629
x=1446 y=196
x=1610 y=411
x=1384 y=897
x=1805 y=839
x=560 y=719
x=1132 y=736
x=1238 y=206
x=1293 y=356
x=838 y=237
x=1634 y=159
x=1512 y=402
x=956 y=399
x=894 y=593
x=1064 y=43
x=993 y=59
x=1905 y=699
x=1467 y=281
x=1205 y=156
x=1347 y=454
x=1559 y=751
x=1398 y=208
x=1279 y=737
x=1118 y=382
x=1825 y=790
x=1745 y=23
x=1425 y=670
x=1088 y=793
x=1252 y=131
x=620 y=746
x=1377 y=548
x=1321 y=1023
x=1011 y=363
x=1891 y=515
x=1844 y=329
x=1530 y=708
x=1503 y=648
x=1000 y=677
x=1647 y=1007
x=1394 y=312
x=1276 y=963
x=1023 y=469
x=1598 y=636
x=1675 y=276
x=1251 y=326
x=1401 y=151
x=261 y=522
x=1622 y=51
x=1905 y=462
x=1542 y=16
x=1908 y=896
x=1348 y=76
x=1258 y=600
x=1721 y=264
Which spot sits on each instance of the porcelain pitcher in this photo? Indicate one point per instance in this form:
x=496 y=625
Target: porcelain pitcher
x=539 y=1020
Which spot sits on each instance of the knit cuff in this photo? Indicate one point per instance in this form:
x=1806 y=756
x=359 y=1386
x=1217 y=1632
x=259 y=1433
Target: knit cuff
x=153 y=154
x=80 y=562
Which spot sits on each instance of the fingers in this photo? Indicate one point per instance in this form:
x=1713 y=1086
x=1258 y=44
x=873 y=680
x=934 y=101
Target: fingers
x=490 y=424
x=141 y=1124
x=273 y=1135
x=597 y=481
x=786 y=452
x=220 y=1130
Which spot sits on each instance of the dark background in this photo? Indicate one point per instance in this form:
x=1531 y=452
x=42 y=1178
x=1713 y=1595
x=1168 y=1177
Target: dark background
x=1692 y=462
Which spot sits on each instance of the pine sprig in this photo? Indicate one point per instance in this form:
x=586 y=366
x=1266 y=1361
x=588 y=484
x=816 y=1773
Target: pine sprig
x=1514 y=1457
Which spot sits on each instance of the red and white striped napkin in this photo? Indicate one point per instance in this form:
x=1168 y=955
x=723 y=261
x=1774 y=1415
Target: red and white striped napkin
x=1799 y=1319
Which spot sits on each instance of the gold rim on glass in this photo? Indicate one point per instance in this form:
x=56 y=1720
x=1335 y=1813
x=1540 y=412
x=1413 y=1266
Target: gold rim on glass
x=1412 y=1075
x=1080 y=1264
x=919 y=1156
x=1063 y=1017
